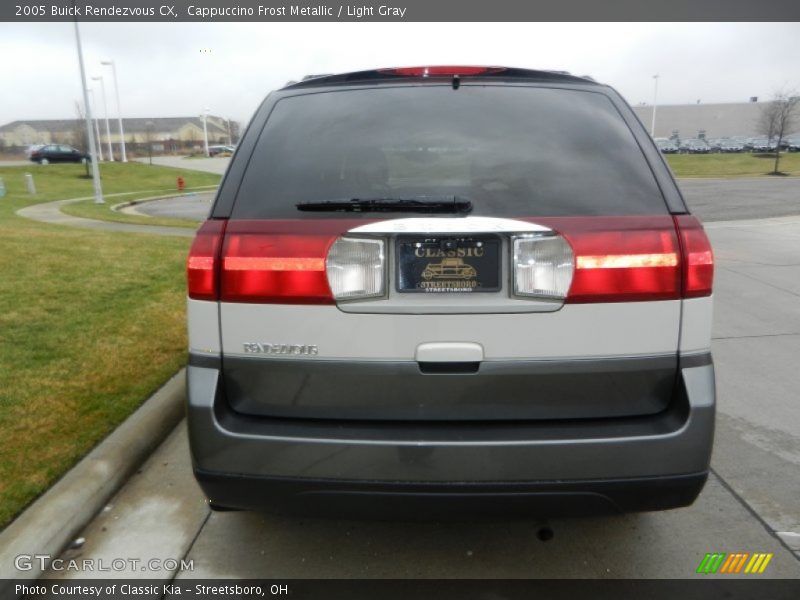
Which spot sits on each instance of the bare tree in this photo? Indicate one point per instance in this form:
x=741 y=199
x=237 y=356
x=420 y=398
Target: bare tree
x=778 y=117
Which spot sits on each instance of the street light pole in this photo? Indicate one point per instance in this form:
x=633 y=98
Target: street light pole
x=105 y=110
x=110 y=63
x=96 y=126
x=205 y=130
x=655 y=104
x=98 y=190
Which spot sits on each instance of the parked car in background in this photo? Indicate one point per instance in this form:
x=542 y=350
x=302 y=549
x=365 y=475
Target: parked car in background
x=728 y=146
x=405 y=300
x=791 y=143
x=32 y=148
x=715 y=145
x=763 y=145
x=221 y=150
x=741 y=140
x=694 y=146
x=53 y=153
x=666 y=145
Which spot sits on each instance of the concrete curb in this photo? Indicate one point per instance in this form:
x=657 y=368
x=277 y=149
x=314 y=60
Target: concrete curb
x=52 y=521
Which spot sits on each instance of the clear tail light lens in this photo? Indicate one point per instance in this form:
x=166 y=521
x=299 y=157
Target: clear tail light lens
x=543 y=267
x=356 y=268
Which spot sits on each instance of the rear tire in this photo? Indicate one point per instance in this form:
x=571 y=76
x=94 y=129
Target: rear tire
x=44 y=161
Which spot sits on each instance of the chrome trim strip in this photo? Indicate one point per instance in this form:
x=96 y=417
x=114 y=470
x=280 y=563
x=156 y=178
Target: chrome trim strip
x=451 y=225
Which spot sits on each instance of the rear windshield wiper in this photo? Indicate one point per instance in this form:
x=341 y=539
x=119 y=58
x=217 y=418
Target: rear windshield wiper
x=425 y=204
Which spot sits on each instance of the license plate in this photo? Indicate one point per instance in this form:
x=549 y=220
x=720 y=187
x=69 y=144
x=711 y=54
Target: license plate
x=459 y=265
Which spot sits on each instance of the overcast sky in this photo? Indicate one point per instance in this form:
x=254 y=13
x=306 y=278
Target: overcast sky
x=176 y=69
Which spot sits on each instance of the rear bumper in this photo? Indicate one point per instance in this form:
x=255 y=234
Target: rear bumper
x=360 y=499
x=649 y=462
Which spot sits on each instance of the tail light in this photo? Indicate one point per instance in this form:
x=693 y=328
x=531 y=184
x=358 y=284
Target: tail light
x=298 y=262
x=202 y=266
x=628 y=259
x=590 y=259
x=441 y=71
x=274 y=267
x=543 y=266
x=355 y=268
x=624 y=259
x=698 y=257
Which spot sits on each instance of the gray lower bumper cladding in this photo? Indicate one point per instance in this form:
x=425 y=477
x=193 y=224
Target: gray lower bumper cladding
x=577 y=466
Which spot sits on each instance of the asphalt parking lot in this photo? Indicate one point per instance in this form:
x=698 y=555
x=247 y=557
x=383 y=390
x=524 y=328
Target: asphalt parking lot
x=750 y=503
x=194 y=206
x=211 y=165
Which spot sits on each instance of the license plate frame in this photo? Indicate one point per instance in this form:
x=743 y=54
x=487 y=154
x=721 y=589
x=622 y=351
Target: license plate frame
x=449 y=264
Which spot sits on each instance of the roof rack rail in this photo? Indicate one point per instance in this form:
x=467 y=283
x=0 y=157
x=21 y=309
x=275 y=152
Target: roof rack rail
x=438 y=72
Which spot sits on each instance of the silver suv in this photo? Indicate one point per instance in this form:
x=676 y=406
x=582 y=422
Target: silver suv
x=444 y=291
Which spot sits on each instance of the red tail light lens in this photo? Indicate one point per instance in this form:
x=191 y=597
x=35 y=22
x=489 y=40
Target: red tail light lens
x=202 y=265
x=627 y=259
x=274 y=266
x=698 y=257
x=621 y=259
x=441 y=71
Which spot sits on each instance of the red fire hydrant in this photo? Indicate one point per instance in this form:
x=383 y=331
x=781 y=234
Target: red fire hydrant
x=181 y=184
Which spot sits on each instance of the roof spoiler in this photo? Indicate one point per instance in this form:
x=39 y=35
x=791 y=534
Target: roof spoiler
x=439 y=72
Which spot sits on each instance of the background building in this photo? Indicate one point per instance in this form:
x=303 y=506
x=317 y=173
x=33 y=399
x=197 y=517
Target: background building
x=717 y=120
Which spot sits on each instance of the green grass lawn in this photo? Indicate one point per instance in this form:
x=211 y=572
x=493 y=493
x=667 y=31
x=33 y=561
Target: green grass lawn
x=731 y=165
x=78 y=312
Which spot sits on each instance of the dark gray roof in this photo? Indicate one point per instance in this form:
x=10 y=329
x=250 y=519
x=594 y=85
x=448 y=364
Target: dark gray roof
x=137 y=125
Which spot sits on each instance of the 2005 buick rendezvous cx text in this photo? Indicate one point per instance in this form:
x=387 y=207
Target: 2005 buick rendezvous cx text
x=450 y=290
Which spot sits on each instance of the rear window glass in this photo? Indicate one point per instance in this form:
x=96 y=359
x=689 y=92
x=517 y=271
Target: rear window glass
x=511 y=151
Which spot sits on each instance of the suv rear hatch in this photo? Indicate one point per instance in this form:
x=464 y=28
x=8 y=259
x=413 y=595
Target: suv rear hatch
x=442 y=252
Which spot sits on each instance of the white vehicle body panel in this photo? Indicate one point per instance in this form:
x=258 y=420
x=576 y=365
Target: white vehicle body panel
x=203 y=319
x=696 y=323
x=602 y=330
